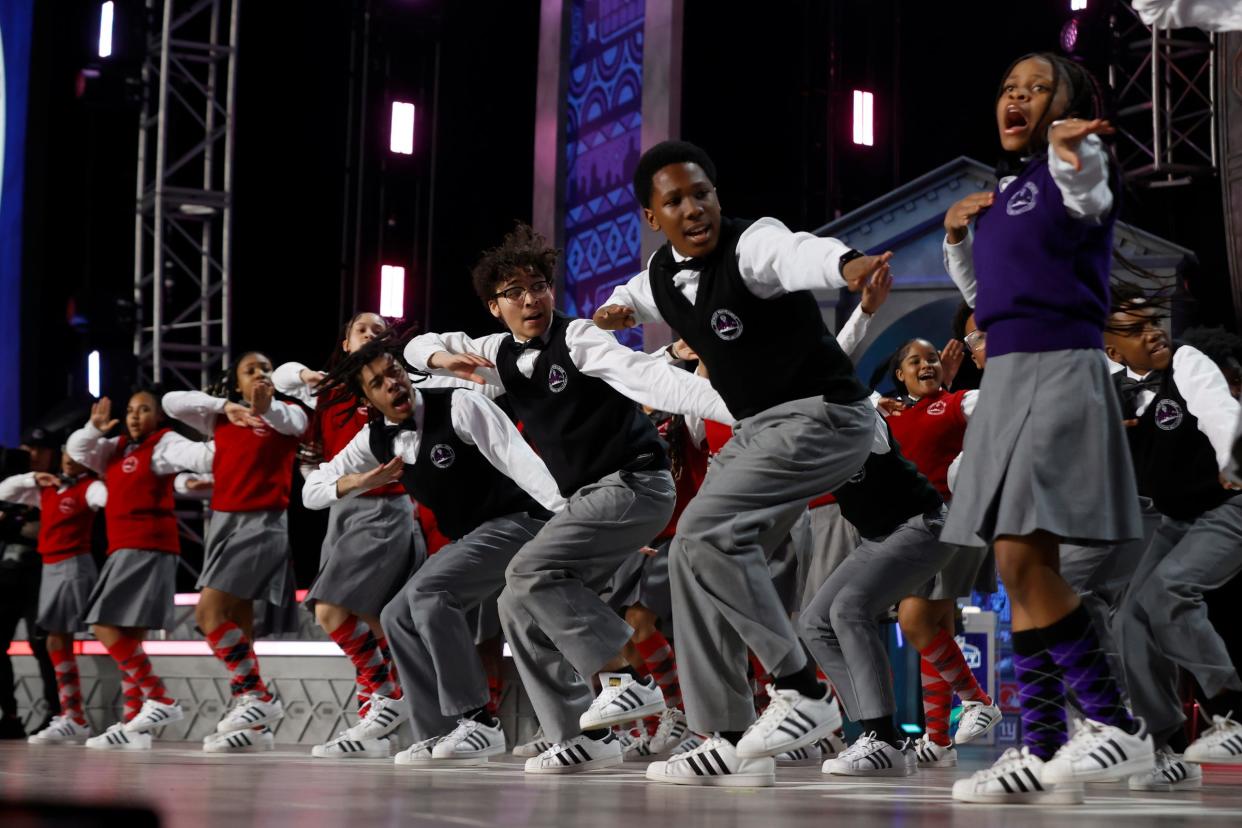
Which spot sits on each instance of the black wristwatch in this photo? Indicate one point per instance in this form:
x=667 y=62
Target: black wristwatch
x=846 y=258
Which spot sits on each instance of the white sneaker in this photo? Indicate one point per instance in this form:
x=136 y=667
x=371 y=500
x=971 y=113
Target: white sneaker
x=621 y=700
x=714 y=763
x=691 y=742
x=62 y=730
x=977 y=719
x=534 y=747
x=250 y=711
x=869 y=756
x=635 y=744
x=383 y=715
x=1170 y=773
x=1219 y=744
x=581 y=753
x=117 y=737
x=833 y=745
x=1100 y=751
x=1015 y=778
x=418 y=753
x=239 y=741
x=808 y=755
x=790 y=721
x=344 y=746
x=928 y=754
x=154 y=714
x=670 y=732
x=470 y=741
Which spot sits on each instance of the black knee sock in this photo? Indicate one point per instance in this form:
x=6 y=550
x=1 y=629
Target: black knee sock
x=1224 y=703
x=731 y=736
x=480 y=715
x=1177 y=742
x=883 y=728
x=804 y=681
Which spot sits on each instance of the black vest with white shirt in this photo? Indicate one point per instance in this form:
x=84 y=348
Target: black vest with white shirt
x=451 y=477
x=582 y=427
x=759 y=352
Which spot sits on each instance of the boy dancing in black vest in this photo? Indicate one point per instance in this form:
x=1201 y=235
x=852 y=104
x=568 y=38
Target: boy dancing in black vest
x=1180 y=438
x=576 y=391
x=456 y=452
x=739 y=294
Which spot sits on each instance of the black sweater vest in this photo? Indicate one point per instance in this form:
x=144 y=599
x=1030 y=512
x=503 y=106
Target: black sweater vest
x=1173 y=460
x=887 y=491
x=759 y=352
x=451 y=477
x=581 y=426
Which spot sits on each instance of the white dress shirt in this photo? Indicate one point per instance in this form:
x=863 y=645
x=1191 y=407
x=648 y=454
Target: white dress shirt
x=1084 y=192
x=22 y=488
x=1210 y=15
x=476 y=420
x=200 y=411
x=644 y=378
x=172 y=454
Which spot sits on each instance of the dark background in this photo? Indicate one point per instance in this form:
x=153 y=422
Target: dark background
x=766 y=92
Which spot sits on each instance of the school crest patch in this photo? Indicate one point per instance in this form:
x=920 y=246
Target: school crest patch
x=1168 y=415
x=726 y=324
x=261 y=431
x=442 y=456
x=129 y=465
x=1024 y=200
x=67 y=504
x=558 y=378
x=937 y=408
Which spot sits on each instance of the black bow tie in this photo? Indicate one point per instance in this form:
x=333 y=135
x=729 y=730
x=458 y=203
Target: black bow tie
x=391 y=430
x=535 y=344
x=697 y=263
x=1131 y=388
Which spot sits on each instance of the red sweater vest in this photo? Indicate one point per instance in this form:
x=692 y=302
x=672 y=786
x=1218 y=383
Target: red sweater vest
x=930 y=435
x=335 y=428
x=253 y=468
x=139 y=514
x=690 y=469
x=65 y=522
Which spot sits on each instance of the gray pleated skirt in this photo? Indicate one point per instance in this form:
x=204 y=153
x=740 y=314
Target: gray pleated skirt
x=135 y=589
x=247 y=555
x=643 y=579
x=64 y=591
x=1046 y=450
x=372 y=547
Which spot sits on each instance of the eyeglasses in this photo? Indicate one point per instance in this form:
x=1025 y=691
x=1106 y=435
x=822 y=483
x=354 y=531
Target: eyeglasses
x=975 y=340
x=517 y=294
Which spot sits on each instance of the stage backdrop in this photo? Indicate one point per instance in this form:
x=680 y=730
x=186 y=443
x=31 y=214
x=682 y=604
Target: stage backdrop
x=15 y=25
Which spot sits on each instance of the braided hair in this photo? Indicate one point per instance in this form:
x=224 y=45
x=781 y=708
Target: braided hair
x=344 y=379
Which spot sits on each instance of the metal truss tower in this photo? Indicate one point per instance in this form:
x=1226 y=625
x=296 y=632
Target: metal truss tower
x=184 y=210
x=1164 y=88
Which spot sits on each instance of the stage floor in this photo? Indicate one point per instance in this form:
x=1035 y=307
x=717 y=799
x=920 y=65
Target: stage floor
x=189 y=789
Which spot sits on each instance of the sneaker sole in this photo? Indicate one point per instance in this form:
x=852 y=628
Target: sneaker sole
x=966 y=739
x=654 y=708
x=369 y=753
x=809 y=738
x=528 y=753
x=147 y=728
x=1054 y=797
x=799 y=763
x=129 y=746
x=475 y=756
x=430 y=764
x=1130 y=767
x=222 y=727
x=1212 y=760
x=940 y=763
x=1184 y=785
x=594 y=764
x=733 y=780
x=882 y=773
x=259 y=748
x=70 y=741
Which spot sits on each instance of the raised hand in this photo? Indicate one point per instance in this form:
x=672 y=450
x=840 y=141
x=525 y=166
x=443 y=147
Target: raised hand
x=614 y=317
x=101 y=415
x=461 y=365
x=859 y=272
x=951 y=357
x=1065 y=136
x=239 y=415
x=957 y=218
x=681 y=350
x=890 y=406
x=46 y=479
x=261 y=397
x=311 y=378
x=875 y=292
x=390 y=472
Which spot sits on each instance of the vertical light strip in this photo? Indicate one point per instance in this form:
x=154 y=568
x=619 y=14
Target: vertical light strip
x=392 y=291
x=92 y=373
x=105 y=29
x=401 y=139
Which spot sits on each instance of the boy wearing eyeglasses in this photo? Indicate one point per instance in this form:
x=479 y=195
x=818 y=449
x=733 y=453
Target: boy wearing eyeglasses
x=577 y=392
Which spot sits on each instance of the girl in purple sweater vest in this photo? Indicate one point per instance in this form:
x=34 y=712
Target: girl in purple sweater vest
x=1046 y=459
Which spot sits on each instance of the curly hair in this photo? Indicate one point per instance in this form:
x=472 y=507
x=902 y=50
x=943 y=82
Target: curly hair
x=344 y=380
x=1218 y=344
x=659 y=157
x=522 y=251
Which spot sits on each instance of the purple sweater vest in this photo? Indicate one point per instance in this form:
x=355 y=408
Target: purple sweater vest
x=1042 y=274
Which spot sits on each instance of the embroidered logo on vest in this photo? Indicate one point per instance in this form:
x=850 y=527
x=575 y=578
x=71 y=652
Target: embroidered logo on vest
x=557 y=379
x=261 y=431
x=1168 y=415
x=129 y=465
x=726 y=324
x=67 y=504
x=937 y=408
x=442 y=456
x=1024 y=200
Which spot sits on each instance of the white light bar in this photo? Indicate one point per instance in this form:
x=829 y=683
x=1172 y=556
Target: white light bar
x=864 y=132
x=105 y=29
x=92 y=374
x=392 y=291
x=401 y=140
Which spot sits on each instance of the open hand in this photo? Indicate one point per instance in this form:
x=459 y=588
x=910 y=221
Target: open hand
x=261 y=397
x=46 y=479
x=1065 y=136
x=957 y=218
x=461 y=365
x=390 y=472
x=311 y=378
x=858 y=272
x=101 y=415
x=890 y=406
x=239 y=415
x=951 y=360
x=614 y=317
x=875 y=292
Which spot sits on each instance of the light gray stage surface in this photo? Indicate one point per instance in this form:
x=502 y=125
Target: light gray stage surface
x=288 y=788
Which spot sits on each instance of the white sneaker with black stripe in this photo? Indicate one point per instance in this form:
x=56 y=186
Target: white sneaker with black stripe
x=691 y=742
x=383 y=716
x=344 y=746
x=977 y=719
x=154 y=714
x=621 y=700
x=807 y=755
x=581 y=753
x=118 y=738
x=1016 y=778
x=470 y=741
x=714 y=763
x=635 y=745
x=537 y=745
x=791 y=720
x=1099 y=751
x=1170 y=773
x=1219 y=744
x=250 y=711
x=833 y=745
x=62 y=730
x=869 y=756
x=928 y=754
x=418 y=753
x=670 y=732
x=239 y=741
